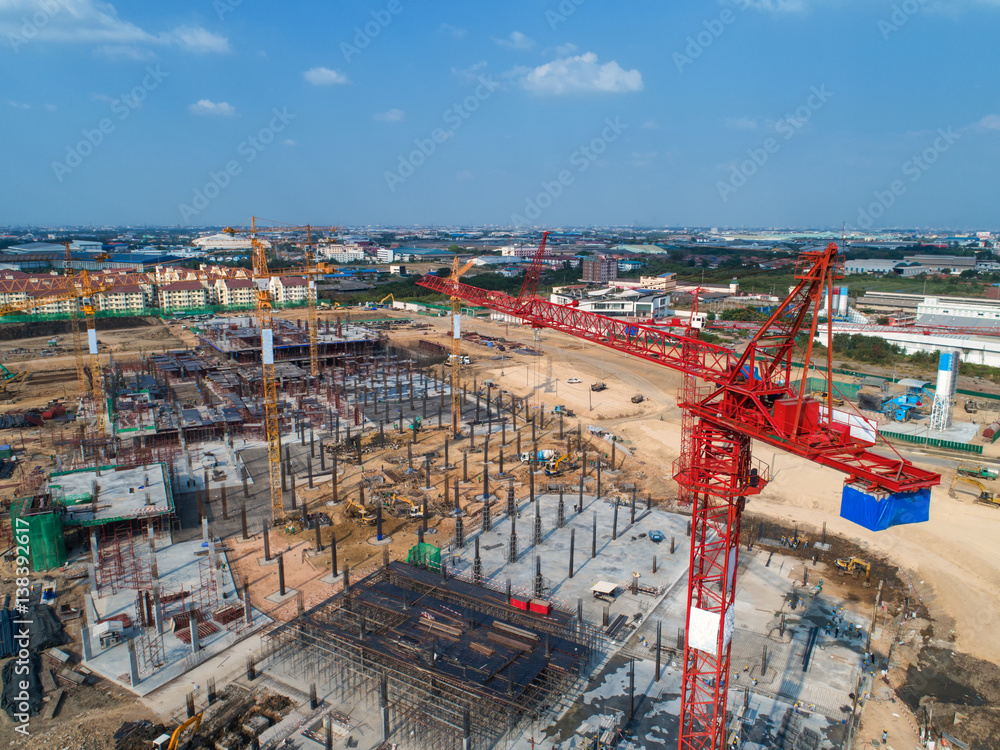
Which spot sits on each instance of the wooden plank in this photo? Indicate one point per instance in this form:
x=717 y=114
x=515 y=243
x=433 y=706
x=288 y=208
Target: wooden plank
x=484 y=650
x=520 y=645
x=515 y=631
x=48 y=683
x=53 y=705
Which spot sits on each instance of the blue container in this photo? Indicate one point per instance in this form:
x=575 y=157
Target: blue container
x=880 y=513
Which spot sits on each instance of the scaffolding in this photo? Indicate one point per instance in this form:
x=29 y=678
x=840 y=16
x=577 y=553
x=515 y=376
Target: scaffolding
x=447 y=661
x=122 y=566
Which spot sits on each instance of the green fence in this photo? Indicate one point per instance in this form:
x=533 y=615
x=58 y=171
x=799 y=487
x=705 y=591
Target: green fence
x=848 y=391
x=425 y=556
x=930 y=387
x=47 y=547
x=160 y=312
x=931 y=442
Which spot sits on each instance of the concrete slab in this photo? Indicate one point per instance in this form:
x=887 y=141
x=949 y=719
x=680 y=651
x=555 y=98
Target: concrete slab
x=277 y=598
x=181 y=569
x=94 y=498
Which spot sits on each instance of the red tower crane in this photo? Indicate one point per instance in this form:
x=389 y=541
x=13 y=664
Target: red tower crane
x=744 y=397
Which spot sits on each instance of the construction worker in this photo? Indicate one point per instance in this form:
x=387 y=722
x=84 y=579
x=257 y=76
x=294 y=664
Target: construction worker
x=885 y=736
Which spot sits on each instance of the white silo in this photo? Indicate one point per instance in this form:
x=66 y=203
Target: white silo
x=947 y=383
x=842 y=310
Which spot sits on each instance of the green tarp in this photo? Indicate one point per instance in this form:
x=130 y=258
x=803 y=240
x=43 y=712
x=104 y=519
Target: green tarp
x=424 y=556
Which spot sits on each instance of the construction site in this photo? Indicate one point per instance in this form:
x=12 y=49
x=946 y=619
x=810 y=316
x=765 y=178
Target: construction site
x=532 y=527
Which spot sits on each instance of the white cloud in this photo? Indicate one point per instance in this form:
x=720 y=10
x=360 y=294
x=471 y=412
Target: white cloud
x=324 y=77
x=465 y=176
x=393 y=115
x=18 y=105
x=516 y=41
x=469 y=74
x=290 y=142
x=990 y=122
x=453 y=31
x=97 y=22
x=125 y=52
x=51 y=108
x=741 y=123
x=215 y=109
x=650 y=125
x=581 y=74
x=565 y=50
x=197 y=39
x=780 y=6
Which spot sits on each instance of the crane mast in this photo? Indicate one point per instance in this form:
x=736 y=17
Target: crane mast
x=265 y=320
x=745 y=397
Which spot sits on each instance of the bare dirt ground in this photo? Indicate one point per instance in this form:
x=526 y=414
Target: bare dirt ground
x=950 y=563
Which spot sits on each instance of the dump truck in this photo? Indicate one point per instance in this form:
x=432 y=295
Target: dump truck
x=638 y=398
x=979 y=472
x=560 y=409
x=598 y=386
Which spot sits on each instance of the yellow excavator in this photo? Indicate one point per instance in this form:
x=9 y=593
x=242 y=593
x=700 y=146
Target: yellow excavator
x=174 y=743
x=853 y=565
x=557 y=465
x=355 y=509
x=985 y=496
x=415 y=510
x=381 y=302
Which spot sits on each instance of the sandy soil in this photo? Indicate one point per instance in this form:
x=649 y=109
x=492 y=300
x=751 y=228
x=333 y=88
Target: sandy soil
x=955 y=570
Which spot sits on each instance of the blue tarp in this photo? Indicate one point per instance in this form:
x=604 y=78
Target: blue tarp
x=879 y=513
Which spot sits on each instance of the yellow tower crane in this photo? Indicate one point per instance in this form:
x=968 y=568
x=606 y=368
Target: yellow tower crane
x=311 y=270
x=74 y=318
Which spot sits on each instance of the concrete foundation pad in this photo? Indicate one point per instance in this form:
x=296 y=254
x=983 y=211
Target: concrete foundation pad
x=277 y=598
x=267 y=563
x=384 y=541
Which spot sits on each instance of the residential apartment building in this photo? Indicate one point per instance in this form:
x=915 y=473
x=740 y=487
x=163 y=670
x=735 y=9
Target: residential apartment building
x=289 y=290
x=126 y=298
x=182 y=294
x=599 y=270
x=235 y=292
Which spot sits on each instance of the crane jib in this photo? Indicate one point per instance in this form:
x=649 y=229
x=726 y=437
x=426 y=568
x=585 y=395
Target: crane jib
x=727 y=372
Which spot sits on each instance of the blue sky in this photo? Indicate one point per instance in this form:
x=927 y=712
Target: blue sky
x=532 y=112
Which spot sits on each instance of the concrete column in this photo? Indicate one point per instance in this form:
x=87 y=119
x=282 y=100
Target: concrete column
x=281 y=573
x=593 y=544
x=157 y=610
x=85 y=638
x=267 y=543
x=384 y=703
x=572 y=546
x=193 y=629
x=133 y=664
